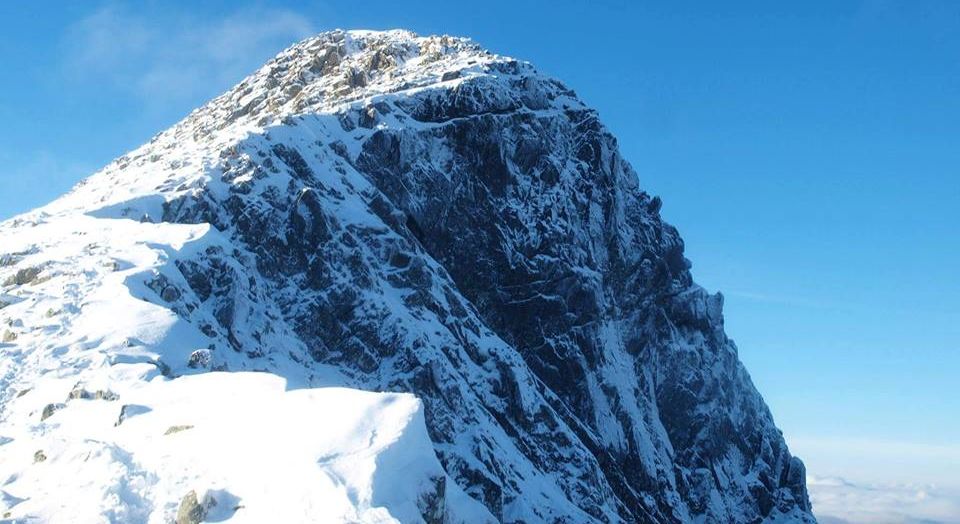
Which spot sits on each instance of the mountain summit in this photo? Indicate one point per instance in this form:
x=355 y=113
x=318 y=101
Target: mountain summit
x=446 y=229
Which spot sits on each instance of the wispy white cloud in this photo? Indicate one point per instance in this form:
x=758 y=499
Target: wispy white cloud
x=837 y=501
x=167 y=56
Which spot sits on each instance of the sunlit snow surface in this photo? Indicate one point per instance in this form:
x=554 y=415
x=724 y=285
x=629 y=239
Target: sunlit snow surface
x=263 y=449
x=261 y=452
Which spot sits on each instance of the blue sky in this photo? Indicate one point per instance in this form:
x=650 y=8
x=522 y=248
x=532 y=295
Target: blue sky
x=808 y=152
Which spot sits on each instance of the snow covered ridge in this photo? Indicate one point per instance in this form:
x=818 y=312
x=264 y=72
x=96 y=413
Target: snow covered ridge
x=390 y=213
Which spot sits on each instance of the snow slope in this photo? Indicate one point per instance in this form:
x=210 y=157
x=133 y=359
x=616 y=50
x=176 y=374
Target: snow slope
x=393 y=213
x=259 y=452
x=79 y=331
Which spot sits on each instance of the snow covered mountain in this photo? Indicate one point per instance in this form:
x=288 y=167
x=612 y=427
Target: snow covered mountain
x=390 y=213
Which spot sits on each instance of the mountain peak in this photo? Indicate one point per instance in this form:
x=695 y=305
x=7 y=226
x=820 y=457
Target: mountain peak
x=338 y=72
x=336 y=67
x=387 y=212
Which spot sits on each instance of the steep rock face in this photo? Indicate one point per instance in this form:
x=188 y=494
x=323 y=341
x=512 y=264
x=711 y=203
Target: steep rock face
x=422 y=216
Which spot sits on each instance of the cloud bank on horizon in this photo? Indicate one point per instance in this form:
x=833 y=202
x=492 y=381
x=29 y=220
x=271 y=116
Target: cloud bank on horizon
x=870 y=481
x=838 y=501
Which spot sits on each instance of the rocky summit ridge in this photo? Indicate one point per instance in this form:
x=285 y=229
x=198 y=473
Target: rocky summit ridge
x=392 y=213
